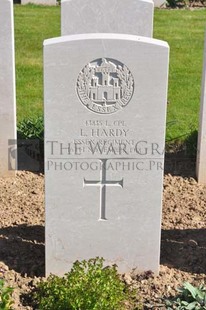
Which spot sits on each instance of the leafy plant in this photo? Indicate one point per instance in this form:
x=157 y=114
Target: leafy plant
x=190 y=298
x=5 y=296
x=88 y=286
x=172 y=3
x=184 y=3
x=31 y=128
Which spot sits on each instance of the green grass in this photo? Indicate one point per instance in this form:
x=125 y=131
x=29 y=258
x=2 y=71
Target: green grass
x=182 y=29
x=33 y=24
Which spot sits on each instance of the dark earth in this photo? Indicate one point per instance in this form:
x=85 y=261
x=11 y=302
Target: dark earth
x=183 y=245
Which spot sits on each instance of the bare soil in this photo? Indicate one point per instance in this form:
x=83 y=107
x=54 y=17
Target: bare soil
x=183 y=246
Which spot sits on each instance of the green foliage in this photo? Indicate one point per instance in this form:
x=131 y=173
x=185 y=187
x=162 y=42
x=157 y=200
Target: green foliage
x=32 y=128
x=88 y=286
x=185 y=3
x=189 y=298
x=172 y=3
x=5 y=296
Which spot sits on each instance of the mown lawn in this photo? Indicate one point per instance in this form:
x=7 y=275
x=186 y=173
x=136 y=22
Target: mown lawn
x=33 y=24
x=182 y=29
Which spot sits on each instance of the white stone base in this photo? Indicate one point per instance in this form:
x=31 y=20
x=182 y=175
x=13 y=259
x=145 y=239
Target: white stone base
x=201 y=146
x=43 y=2
x=8 y=156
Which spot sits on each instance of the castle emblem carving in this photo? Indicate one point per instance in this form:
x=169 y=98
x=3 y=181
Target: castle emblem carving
x=105 y=86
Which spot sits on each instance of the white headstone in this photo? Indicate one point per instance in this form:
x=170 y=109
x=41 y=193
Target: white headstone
x=105 y=113
x=201 y=146
x=7 y=90
x=43 y=2
x=106 y=16
x=159 y=3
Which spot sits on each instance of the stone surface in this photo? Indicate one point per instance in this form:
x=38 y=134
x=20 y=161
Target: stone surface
x=105 y=16
x=7 y=90
x=104 y=157
x=201 y=148
x=159 y=3
x=43 y=2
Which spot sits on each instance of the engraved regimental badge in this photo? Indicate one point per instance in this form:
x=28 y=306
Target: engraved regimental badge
x=105 y=86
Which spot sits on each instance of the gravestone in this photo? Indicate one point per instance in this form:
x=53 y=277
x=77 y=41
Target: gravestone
x=7 y=91
x=106 y=16
x=105 y=111
x=201 y=145
x=159 y=3
x=43 y=2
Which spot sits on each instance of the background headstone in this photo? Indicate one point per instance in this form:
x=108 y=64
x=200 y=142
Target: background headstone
x=106 y=16
x=159 y=3
x=201 y=146
x=7 y=91
x=105 y=112
x=43 y=2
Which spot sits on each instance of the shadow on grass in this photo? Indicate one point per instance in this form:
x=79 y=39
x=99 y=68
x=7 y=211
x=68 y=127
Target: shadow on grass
x=22 y=249
x=184 y=249
x=180 y=158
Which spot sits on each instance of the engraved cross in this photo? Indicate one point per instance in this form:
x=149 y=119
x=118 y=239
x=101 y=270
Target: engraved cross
x=103 y=183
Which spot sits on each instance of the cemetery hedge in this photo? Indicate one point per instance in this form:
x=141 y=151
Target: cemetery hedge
x=182 y=29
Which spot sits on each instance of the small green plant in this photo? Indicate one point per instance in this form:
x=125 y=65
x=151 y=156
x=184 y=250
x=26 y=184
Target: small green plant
x=5 y=296
x=31 y=128
x=189 y=298
x=88 y=286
